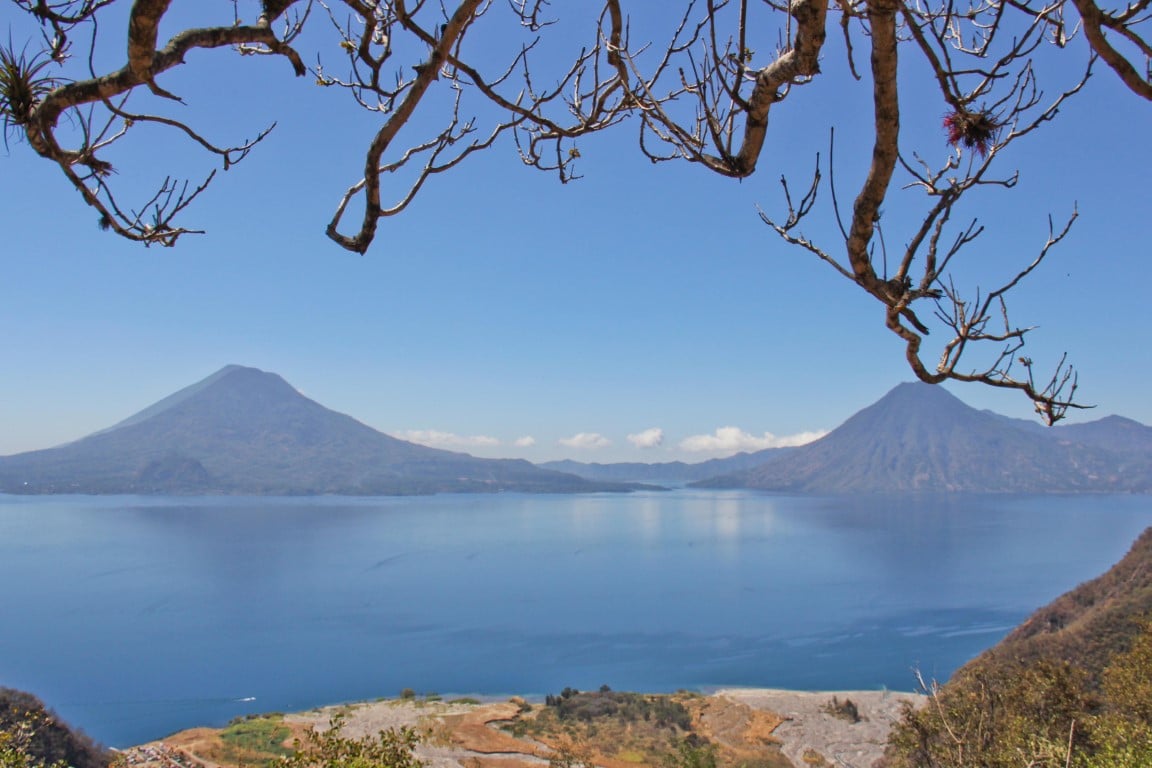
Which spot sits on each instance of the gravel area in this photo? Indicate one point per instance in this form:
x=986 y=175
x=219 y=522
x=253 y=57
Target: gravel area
x=437 y=751
x=809 y=726
x=364 y=718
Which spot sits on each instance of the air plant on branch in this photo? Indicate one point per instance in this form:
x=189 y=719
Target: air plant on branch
x=974 y=130
x=22 y=86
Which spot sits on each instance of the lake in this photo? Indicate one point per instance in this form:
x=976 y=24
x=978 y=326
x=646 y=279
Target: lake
x=134 y=617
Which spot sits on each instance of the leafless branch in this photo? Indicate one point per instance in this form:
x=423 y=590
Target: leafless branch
x=702 y=92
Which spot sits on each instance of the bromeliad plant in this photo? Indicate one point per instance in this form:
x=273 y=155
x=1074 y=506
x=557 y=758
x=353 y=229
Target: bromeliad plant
x=23 y=85
x=974 y=130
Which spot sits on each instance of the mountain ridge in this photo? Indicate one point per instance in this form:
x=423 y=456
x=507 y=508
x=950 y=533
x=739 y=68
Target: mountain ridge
x=243 y=430
x=921 y=438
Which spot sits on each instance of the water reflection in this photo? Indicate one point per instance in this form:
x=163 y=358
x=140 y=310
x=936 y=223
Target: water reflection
x=650 y=520
x=110 y=603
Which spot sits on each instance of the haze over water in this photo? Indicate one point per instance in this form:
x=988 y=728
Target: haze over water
x=134 y=617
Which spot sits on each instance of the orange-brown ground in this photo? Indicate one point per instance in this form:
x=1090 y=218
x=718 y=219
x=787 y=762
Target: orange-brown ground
x=745 y=733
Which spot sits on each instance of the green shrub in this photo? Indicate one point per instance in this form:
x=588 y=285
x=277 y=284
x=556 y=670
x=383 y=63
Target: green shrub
x=1121 y=732
x=393 y=748
x=844 y=710
x=263 y=734
x=663 y=711
x=996 y=716
x=691 y=752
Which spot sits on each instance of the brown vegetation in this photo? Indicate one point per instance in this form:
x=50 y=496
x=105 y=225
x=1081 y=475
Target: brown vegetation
x=1062 y=689
x=1091 y=624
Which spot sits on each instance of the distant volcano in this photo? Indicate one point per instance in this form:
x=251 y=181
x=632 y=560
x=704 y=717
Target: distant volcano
x=242 y=430
x=919 y=437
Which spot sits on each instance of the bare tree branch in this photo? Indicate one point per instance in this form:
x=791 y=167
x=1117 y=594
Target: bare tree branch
x=702 y=92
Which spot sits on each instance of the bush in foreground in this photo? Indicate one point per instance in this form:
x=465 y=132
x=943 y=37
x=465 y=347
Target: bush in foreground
x=1039 y=714
x=330 y=748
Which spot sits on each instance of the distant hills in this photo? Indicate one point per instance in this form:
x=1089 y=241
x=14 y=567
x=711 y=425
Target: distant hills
x=921 y=438
x=668 y=472
x=245 y=431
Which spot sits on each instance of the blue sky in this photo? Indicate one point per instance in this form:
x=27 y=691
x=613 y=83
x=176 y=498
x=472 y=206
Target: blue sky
x=644 y=301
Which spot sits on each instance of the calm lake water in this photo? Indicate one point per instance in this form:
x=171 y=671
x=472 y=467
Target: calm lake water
x=134 y=617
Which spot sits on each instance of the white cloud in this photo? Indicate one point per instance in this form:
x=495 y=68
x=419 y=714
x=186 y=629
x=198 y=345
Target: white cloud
x=800 y=438
x=728 y=440
x=585 y=440
x=436 y=439
x=649 y=438
x=524 y=442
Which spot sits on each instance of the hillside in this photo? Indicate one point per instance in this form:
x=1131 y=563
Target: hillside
x=1090 y=624
x=37 y=732
x=1069 y=685
x=921 y=438
x=243 y=430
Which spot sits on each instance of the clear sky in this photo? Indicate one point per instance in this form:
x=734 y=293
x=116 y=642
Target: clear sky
x=643 y=313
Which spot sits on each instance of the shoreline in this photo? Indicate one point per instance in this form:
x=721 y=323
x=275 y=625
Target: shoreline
x=464 y=734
